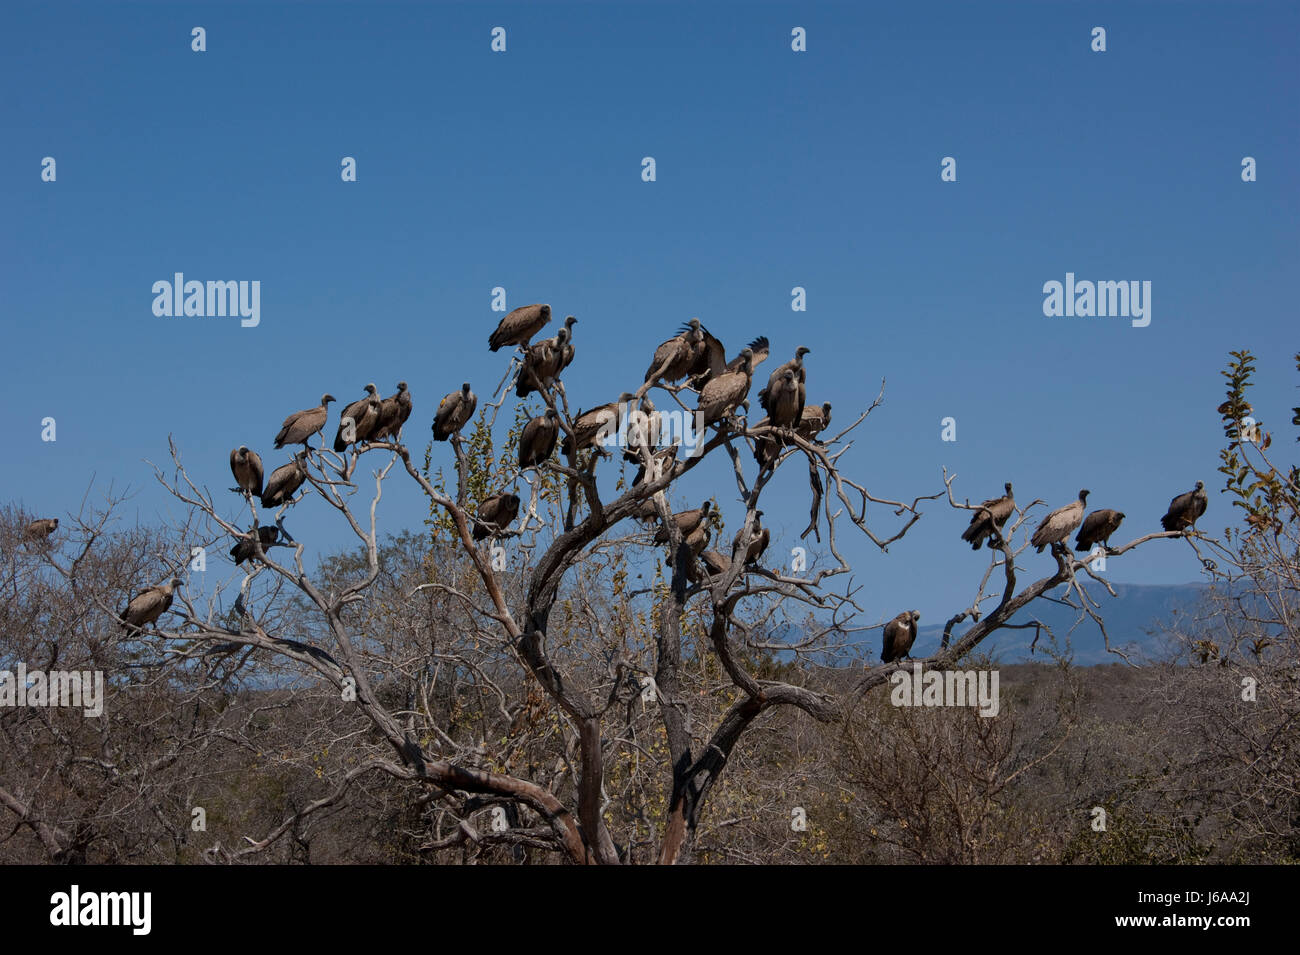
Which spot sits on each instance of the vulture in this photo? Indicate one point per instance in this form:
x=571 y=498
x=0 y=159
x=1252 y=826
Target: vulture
x=723 y=394
x=900 y=634
x=1185 y=509
x=495 y=515
x=643 y=430
x=1060 y=524
x=595 y=426
x=688 y=522
x=393 y=412
x=814 y=421
x=519 y=327
x=759 y=538
x=285 y=481
x=989 y=520
x=711 y=359
x=453 y=411
x=365 y=417
x=301 y=425
x=246 y=466
x=715 y=563
x=538 y=439
x=695 y=543
x=40 y=528
x=1097 y=528
x=244 y=549
x=545 y=360
x=663 y=460
x=148 y=605
x=674 y=358
x=779 y=395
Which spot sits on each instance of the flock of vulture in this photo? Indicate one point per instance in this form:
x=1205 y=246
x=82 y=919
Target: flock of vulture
x=693 y=356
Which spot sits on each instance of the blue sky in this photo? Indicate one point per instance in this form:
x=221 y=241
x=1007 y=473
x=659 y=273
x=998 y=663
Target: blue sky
x=775 y=169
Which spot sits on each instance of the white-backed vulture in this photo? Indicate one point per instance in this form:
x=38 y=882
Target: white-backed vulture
x=1097 y=528
x=715 y=563
x=544 y=361
x=777 y=382
x=986 y=524
x=538 y=439
x=285 y=481
x=1186 y=509
x=711 y=359
x=723 y=394
x=148 y=605
x=40 y=528
x=900 y=634
x=643 y=429
x=596 y=426
x=246 y=466
x=301 y=425
x=674 y=358
x=759 y=538
x=519 y=327
x=364 y=413
x=454 y=411
x=495 y=515
x=687 y=522
x=784 y=400
x=244 y=548
x=814 y=421
x=393 y=412
x=695 y=542
x=1060 y=524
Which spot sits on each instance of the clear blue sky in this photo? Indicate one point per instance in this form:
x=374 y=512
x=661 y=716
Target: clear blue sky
x=775 y=169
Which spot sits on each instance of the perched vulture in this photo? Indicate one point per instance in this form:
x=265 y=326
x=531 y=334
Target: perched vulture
x=596 y=426
x=495 y=515
x=900 y=634
x=301 y=425
x=759 y=538
x=715 y=563
x=544 y=361
x=1097 y=528
x=988 y=521
x=662 y=461
x=814 y=421
x=695 y=543
x=148 y=605
x=393 y=412
x=453 y=411
x=711 y=359
x=1060 y=524
x=723 y=394
x=244 y=549
x=687 y=522
x=285 y=481
x=1186 y=509
x=760 y=347
x=40 y=528
x=674 y=358
x=791 y=400
x=365 y=418
x=538 y=439
x=643 y=429
x=519 y=327
x=246 y=466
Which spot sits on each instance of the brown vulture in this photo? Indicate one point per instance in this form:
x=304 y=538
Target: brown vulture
x=715 y=563
x=1186 y=509
x=900 y=634
x=246 y=466
x=695 y=542
x=519 y=327
x=596 y=426
x=814 y=421
x=40 y=528
x=365 y=419
x=544 y=360
x=148 y=605
x=759 y=538
x=674 y=358
x=393 y=412
x=711 y=359
x=783 y=400
x=987 y=522
x=777 y=384
x=495 y=515
x=285 y=481
x=538 y=439
x=453 y=411
x=1060 y=524
x=723 y=394
x=301 y=425
x=663 y=461
x=687 y=522
x=1097 y=528
x=643 y=429
x=244 y=548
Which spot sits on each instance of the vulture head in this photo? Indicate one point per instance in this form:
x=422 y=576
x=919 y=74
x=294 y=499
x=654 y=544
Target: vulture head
x=1200 y=485
x=915 y=615
x=551 y=415
x=464 y=389
x=55 y=522
x=570 y=322
x=747 y=360
x=243 y=451
x=514 y=502
x=788 y=377
x=705 y=508
x=546 y=312
x=371 y=389
x=401 y=386
x=801 y=351
x=1083 y=495
x=326 y=399
x=177 y=582
x=562 y=336
x=1007 y=488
